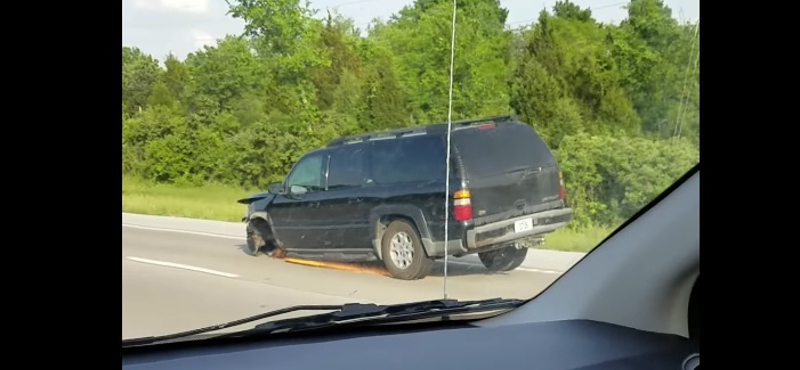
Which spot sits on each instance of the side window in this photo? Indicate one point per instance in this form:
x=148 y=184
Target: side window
x=408 y=160
x=307 y=173
x=346 y=167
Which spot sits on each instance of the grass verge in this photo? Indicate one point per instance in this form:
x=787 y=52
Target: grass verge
x=210 y=202
x=575 y=241
x=218 y=202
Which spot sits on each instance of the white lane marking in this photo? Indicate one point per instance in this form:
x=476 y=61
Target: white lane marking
x=184 y=231
x=242 y=238
x=183 y=267
x=540 y=271
x=518 y=268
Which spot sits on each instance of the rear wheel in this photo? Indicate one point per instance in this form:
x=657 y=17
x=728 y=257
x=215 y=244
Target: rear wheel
x=402 y=252
x=503 y=259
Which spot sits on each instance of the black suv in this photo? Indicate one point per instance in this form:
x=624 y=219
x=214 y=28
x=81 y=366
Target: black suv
x=381 y=196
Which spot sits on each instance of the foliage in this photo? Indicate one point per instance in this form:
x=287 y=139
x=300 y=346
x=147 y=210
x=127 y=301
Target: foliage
x=618 y=104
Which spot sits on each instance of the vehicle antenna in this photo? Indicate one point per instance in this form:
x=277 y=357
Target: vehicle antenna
x=447 y=155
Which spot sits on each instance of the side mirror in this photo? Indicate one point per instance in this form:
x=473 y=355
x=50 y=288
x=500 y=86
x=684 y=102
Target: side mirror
x=275 y=188
x=297 y=190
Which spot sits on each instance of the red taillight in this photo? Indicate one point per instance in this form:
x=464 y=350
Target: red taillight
x=487 y=126
x=561 y=185
x=462 y=207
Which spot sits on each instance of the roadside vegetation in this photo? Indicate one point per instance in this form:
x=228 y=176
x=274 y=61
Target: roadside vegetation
x=618 y=104
x=209 y=201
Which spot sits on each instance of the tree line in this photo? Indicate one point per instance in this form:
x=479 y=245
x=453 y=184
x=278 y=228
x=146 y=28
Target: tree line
x=618 y=104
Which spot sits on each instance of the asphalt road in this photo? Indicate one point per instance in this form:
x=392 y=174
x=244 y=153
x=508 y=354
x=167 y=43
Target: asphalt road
x=179 y=281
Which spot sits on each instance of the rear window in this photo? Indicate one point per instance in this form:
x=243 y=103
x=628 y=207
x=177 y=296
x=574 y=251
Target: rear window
x=413 y=159
x=487 y=152
x=346 y=167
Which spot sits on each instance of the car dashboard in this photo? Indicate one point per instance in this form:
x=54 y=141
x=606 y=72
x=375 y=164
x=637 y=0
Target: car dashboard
x=554 y=345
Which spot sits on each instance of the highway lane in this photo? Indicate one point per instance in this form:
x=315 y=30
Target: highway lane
x=179 y=281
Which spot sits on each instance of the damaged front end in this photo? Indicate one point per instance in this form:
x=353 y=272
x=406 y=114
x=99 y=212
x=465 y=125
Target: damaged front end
x=260 y=238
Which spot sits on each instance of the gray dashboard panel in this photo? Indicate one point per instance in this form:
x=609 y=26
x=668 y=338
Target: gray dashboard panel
x=557 y=345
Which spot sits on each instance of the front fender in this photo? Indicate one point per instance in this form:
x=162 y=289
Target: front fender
x=256 y=204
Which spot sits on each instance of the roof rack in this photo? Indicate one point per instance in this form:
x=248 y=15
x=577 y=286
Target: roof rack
x=493 y=119
x=418 y=130
x=379 y=135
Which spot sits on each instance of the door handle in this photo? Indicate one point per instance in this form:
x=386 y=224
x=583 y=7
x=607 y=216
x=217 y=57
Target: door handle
x=314 y=204
x=356 y=200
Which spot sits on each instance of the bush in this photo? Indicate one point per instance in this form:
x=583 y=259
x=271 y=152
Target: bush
x=608 y=179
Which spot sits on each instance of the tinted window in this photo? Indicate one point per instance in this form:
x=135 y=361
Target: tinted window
x=307 y=173
x=408 y=160
x=346 y=167
x=497 y=150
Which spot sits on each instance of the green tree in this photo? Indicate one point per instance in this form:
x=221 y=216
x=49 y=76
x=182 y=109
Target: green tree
x=139 y=72
x=567 y=81
x=619 y=105
x=223 y=73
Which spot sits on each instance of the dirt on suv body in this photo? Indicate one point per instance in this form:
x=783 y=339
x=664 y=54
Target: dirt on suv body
x=381 y=196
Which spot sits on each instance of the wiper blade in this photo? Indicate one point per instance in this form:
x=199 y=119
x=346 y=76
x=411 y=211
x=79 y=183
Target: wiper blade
x=350 y=313
x=354 y=313
x=189 y=333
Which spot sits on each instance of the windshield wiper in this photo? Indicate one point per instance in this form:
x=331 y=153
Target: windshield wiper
x=359 y=313
x=350 y=313
x=162 y=338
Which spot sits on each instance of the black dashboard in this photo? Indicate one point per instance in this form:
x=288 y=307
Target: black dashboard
x=557 y=345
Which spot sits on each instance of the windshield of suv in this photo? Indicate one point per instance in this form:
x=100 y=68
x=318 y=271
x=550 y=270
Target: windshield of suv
x=280 y=152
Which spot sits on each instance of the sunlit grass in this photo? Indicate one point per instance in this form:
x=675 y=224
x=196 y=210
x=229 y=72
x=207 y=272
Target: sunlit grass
x=211 y=202
x=575 y=241
x=218 y=202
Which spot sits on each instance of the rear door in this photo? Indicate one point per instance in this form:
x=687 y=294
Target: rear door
x=409 y=173
x=509 y=169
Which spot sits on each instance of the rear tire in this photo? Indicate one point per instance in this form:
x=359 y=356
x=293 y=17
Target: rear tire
x=402 y=252
x=503 y=259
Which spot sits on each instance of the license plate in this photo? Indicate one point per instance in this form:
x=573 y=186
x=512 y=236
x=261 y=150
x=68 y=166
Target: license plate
x=523 y=225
